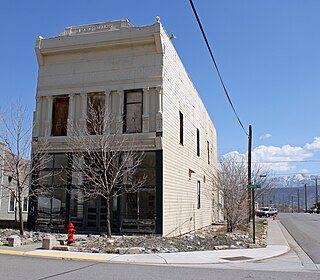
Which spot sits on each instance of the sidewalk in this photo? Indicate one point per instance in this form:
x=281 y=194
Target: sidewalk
x=277 y=245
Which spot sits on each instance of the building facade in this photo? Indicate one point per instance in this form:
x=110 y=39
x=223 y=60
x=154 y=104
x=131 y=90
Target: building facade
x=8 y=203
x=136 y=73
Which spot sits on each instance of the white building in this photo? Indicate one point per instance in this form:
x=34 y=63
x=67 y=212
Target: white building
x=138 y=74
x=9 y=215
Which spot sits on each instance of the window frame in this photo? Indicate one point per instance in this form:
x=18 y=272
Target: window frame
x=198 y=195
x=12 y=194
x=198 y=142
x=125 y=110
x=55 y=131
x=181 y=124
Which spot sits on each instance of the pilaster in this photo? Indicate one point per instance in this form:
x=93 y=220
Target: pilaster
x=159 y=93
x=146 y=105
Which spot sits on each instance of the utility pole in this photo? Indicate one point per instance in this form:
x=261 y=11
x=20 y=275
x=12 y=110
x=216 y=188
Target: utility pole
x=317 y=192
x=249 y=171
x=292 y=204
x=251 y=199
x=298 y=200
x=305 y=198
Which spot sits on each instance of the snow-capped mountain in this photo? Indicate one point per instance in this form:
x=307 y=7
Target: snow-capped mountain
x=295 y=181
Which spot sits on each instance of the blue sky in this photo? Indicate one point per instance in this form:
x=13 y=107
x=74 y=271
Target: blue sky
x=267 y=52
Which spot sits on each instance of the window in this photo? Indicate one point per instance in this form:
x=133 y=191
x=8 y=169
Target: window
x=198 y=142
x=96 y=114
x=54 y=170
x=198 y=195
x=208 y=151
x=60 y=116
x=181 y=127
x=25 y=204
x=12 y=202
x=132 y=111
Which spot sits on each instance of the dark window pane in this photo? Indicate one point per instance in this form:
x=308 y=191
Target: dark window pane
x=96 y=114
x=60 y=116
x=133 y=112
x=133 y=118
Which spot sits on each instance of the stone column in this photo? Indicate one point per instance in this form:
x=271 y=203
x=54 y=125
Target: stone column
x=48 y=117
x=146 y=105
x=108 y=112
x=71 y=117
x=159 y=93
x=119 y=118
x=37 y=118
x=83 y=112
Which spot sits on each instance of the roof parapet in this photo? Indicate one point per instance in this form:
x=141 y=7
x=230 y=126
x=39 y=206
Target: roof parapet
x=96 y=27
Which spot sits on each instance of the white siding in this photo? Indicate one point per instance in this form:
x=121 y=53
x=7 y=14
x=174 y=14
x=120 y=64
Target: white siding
x=180 y=191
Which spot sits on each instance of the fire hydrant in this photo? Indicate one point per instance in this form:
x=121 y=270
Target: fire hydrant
x=70 y=231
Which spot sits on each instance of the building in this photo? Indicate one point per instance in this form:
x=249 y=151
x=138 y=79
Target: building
x=138 y=74
x=9 y=215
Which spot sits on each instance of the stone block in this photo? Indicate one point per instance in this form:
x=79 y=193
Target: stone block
x=61 y=248
x=132 y=250
x=48 y=242
x=14 y=241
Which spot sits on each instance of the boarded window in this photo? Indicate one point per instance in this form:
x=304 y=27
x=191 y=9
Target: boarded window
x=60 y=116
x=96 y=114
x=198 y=142
x=133 y=112
x=181 y=128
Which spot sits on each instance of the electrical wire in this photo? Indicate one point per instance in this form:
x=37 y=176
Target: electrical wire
x=216 y=66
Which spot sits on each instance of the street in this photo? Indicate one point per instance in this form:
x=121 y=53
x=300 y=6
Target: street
x=17 y=267
x=305 y=229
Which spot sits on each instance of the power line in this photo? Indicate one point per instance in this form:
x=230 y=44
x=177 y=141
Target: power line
x=216 y=66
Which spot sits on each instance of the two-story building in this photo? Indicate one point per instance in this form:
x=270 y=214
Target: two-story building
x=137 y=74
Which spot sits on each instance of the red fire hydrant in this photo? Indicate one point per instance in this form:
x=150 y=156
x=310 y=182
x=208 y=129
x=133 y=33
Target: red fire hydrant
x=70 y=231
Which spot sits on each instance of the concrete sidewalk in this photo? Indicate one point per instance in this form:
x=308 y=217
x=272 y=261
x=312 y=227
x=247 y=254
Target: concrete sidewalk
x=277 y=245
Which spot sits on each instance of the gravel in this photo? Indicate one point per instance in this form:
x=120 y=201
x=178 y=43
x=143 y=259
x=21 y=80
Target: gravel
x=213 y=237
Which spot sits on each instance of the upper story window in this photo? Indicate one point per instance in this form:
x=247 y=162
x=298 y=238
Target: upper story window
x=181 y=127
x=60 y=116
x=132 y=111
x=198 y=142
x=96 y=113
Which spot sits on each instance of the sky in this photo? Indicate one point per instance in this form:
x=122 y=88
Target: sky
x=267 y=52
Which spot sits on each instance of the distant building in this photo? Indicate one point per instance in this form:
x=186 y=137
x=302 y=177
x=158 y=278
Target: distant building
x=8 y=204
x=138 y=74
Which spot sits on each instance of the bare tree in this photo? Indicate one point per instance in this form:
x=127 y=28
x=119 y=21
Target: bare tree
x=230 y=182
x=16 y=135
x=105 y=161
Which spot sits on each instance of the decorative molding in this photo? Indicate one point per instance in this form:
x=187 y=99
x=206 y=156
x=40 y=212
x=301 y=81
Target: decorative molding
x=96 y=27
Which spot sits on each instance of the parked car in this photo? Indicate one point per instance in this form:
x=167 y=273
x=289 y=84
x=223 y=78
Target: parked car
x=313 y=210
x=266 y=212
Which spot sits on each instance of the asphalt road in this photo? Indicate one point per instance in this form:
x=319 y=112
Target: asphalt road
x=305 y=229
x=19 y=267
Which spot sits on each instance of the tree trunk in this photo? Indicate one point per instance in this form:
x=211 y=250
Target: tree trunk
x=108 y=218
x=20 y=213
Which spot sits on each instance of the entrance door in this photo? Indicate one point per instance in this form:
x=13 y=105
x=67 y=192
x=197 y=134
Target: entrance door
x=96 y=215
x=138 y=211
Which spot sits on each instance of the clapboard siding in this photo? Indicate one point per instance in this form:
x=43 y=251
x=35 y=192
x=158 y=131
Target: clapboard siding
x=180 y=191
